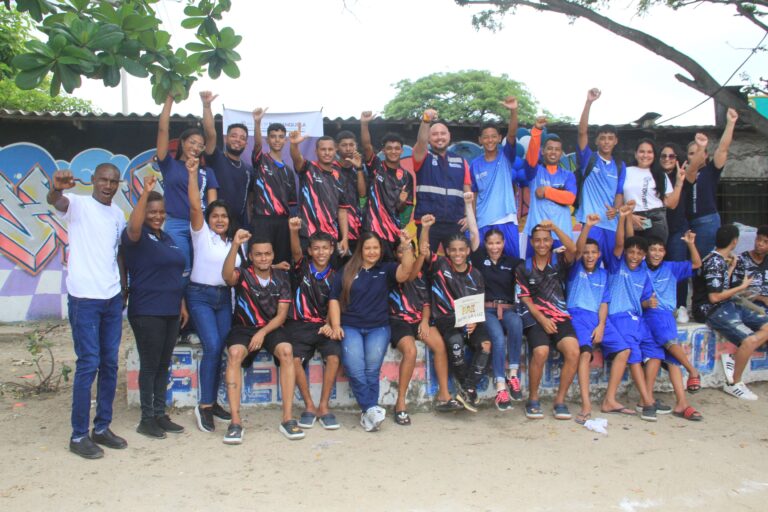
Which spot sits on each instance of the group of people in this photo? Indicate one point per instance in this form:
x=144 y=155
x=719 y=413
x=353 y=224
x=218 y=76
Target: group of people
x=313 y=257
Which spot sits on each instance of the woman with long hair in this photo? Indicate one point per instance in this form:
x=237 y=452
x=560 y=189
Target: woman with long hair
x=174 y=172
x=652 y=191
x=209 y=298
x=155 y=307
x=358 y=312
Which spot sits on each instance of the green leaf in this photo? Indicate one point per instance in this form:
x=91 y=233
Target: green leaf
x=231 y=70
x=191 y=10
x=31 y=78
x=36 y=46
x=79 y=4
x=70 y=80
x=197 y=47
x=227 y=37
x=111 y=76
x=139 y=23
x=106 y=38
x=192 y=22
x=27 y=61
x=79 y=53
x=134 y=68
x=163 y=38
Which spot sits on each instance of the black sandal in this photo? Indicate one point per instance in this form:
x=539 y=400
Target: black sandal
x=402 y=418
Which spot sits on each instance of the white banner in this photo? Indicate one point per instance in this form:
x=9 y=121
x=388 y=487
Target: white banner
x=311 y=122
x=469 y=309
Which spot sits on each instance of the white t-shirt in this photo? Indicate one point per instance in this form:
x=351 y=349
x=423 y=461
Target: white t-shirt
x=94 y=235
x=210 y=252
x=639 y=185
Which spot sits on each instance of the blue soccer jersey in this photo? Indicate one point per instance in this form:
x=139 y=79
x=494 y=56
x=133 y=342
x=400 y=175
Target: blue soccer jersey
x=627 y=288
x=493 y=183
x=664 y=280
x=599 y=188
x=587 y=290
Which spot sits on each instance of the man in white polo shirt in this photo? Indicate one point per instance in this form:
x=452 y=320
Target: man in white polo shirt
x=95 y=302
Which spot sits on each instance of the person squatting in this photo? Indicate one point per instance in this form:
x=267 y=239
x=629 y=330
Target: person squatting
x=313 y=256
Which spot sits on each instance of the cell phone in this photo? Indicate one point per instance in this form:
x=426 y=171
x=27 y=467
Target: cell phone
x=647 y=224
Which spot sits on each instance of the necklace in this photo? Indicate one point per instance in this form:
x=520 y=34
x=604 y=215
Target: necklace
x=236 y=163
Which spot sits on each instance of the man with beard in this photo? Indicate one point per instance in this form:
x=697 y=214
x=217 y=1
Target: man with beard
x=232 y=173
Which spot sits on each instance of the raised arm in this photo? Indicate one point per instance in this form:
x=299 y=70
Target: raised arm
x=534 y=146
x=209 y=128
x=511 y=104
x=697 y=158
x=403 y=273
x=625 y=219
x=294 y=225
x=297 y=138
x=163 y=129
x=229 y=271
x=196 y=218
x=62 y=180
x=422 y=139
x=365 y=135
x=583 y=138
x=690 y=238
x=469 y=212
x=568 y=243
x=258 y=141
x=592 y=220
x=136 y=220
x=427 y=221
x=721 y=153
x=673 y=199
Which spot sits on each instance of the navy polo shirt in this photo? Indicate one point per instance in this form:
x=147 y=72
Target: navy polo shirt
x=234 y=179
x=155 y=265
x=368 y=299
x=175 y=181
x=676 y=218
x=499 y=277
x=702 y=199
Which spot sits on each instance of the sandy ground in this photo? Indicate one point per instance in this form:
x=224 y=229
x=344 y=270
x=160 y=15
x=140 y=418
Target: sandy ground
x=489 y=461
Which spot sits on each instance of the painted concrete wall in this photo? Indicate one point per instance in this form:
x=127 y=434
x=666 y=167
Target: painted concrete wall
x=260 y=382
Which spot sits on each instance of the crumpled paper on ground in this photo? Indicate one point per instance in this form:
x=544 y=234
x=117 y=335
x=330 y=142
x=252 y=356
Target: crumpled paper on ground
x=599 y=425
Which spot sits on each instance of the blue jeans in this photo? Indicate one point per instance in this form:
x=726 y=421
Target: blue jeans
x=705 y=228
x=501 y=345
x=363 y=353
x=96 y=328
x=678 y=251
x=179 y=230
x=211 y=308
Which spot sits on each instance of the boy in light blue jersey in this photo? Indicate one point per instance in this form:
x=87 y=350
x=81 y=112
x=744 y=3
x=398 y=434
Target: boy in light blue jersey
x=659 y=318
x=629 y=288
x=493 y=176
x=599 y=178
x=587 y=300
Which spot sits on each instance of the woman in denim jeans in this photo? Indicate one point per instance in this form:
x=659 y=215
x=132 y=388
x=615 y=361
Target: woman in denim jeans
x=209 y=299
x=358 y=312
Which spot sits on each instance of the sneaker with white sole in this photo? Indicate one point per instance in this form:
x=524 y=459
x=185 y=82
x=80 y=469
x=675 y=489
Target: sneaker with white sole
x=291 y=430
x=682 y=315
x=729 y=366
x=503 y=403
x=234 y=434
x=379 y=414
x=740 y=390
x=368 y=420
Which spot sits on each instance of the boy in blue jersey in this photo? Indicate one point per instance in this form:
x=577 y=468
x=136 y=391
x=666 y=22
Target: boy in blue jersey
x=599 y=178
x=553 y=189
x=493 y=175
x=587 y=300
x=660 y=319
x=629 y=288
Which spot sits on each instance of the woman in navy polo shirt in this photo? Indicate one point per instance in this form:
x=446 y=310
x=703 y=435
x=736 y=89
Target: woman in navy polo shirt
x=155 y=266
x=191 y=145
x=358 y=311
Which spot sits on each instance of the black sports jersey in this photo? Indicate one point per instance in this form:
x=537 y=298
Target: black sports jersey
x=449 y=284
x=712 y=277
x=746 y=266
x=311 y=292
x=546 y=287
x=348 y=181
x=320 y=197
x=274 y=186
x=384 y=188
x=499 y=277
x=256 y=305
x=406 y=300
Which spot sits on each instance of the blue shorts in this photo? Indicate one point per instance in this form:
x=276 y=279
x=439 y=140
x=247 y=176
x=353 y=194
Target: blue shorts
x=584 y=322
x=734 y=322
x=633 y=332
x=511 y=237
x=662 y=325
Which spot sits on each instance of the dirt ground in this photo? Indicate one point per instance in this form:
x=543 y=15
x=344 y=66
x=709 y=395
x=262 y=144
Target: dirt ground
x=490 y=461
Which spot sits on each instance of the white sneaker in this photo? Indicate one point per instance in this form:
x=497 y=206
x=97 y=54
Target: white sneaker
x=368 y=420
x=193 y=339
x=379 y=414
x=682 y=315
x=729 y=365
x=740 y=390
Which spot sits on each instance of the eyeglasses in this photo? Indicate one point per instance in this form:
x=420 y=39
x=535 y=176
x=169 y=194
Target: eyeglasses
x=669 y=156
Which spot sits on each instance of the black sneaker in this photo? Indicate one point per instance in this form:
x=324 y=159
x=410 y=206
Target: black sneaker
x=150 y=428
x=165 y=423
x=464 y=398
x=219 y=413
x=472 y=394
x=86 y=448
x=234 y=434
x=109 y=439
x=291 y=430
x=205 y=419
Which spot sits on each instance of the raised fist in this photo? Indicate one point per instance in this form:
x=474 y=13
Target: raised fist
x=541 y=122
x=150 y=180
x=701 y=140
x=192 y=164
x=593 y=219
x=427 y=220
x=294 y=223
x=593 y=94
x=63 y=179
x=732 y=115
x=468 y=197
x=429 y=115
x=241 y=236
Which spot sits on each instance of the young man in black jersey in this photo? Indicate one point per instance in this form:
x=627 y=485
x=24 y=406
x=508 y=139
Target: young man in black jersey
x=263 y=296
x=350 y=166
x=273 y=193
x=307 y=325
x=542 y=279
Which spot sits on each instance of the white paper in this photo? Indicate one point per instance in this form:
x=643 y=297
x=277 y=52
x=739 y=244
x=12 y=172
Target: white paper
x=469 y=309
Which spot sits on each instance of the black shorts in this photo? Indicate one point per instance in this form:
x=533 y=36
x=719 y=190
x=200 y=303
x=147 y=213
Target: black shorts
x=399 y=329
x=241 y=335
x=275 y=229
x=476 y=339
x=538 y=337
x=306 y=339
